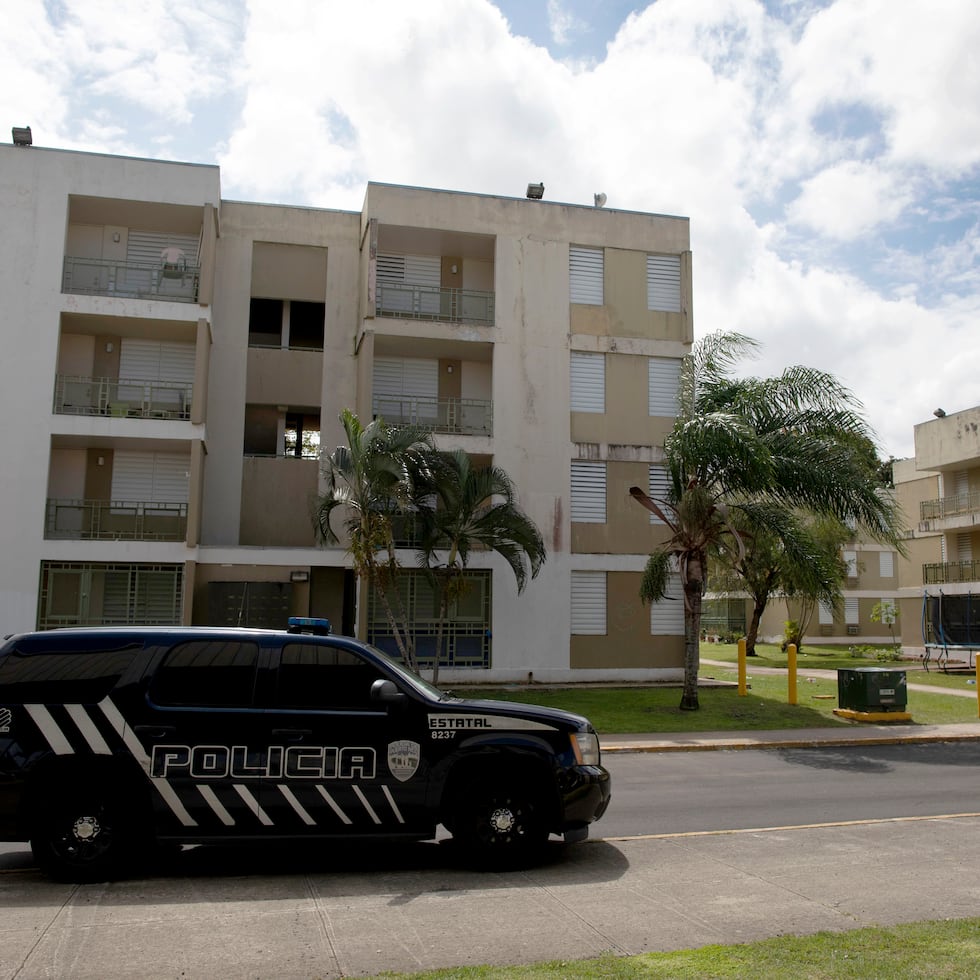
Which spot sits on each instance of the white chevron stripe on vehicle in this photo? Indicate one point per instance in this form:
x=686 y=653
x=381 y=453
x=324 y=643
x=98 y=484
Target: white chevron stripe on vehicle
x=333 y=806
x=49 y=729
x=367 y=806
x=212 y=801
x=136 y=749
x=253 y=804
x=393 y=804
x=296 y=805
x=86 y=726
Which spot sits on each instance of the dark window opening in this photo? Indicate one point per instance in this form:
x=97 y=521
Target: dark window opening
x=265 y=322
x=306 y=325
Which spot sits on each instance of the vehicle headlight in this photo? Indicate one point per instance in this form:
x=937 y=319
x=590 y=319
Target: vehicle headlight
x=585 y=745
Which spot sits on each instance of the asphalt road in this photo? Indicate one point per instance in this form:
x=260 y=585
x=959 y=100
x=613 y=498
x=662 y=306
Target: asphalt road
x=677 y=792
x=698 y=848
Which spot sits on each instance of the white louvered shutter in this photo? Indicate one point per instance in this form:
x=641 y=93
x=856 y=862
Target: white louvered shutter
x=588 y=604
x=142 y=477
x=825 y=614
x=406 y=389
x=153 y=360
x=585 y=274
x=588 y=374
x=851 y=611
x=663 y=381
x=667 y=614
x=886 y=564
x=664 y=283
x=659 y=485
x=399 y=275
x=588 y=493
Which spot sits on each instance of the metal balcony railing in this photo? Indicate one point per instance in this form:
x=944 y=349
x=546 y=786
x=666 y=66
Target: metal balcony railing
x=944 y=572
x=122 y=397
x=115 y=520
x=433 y=303
x=958 y=503
x=139 y=280
x=461 y=416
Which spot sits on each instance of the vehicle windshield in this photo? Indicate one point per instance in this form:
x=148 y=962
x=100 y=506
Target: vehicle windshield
x=418 y=684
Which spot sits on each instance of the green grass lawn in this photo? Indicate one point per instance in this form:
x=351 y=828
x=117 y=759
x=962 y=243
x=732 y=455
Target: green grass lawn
x=937 y=950
x=653 y=708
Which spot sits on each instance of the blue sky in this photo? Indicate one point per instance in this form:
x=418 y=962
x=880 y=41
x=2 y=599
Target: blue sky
x=826 y=151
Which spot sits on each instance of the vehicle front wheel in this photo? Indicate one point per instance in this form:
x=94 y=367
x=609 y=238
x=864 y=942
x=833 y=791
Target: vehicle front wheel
x=82 y=834
x=502 y=825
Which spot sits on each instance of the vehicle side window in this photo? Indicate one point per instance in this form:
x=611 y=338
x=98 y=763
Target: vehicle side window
x=313 y=675
x=207 y=673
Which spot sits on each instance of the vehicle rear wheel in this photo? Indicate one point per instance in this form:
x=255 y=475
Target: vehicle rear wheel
x=500 y=824
x=82 y=834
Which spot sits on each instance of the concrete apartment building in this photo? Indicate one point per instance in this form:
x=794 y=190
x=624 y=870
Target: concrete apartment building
x=939 y=493
x=176 y=362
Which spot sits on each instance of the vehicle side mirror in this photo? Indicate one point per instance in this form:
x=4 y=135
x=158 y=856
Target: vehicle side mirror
x=386 y=692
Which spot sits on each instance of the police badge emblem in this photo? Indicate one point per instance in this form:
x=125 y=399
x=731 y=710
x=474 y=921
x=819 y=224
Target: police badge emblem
x=403 y=759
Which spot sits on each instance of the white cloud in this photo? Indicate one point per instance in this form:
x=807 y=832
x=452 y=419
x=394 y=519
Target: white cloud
x=827 y=153
x=849 y=199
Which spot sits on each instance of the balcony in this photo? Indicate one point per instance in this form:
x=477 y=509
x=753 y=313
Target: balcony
x=115 y=520
x=948 y=513
x=175 y=282
x=434 y=303
x=458 y=416
x=122 y=398
x=948 y=572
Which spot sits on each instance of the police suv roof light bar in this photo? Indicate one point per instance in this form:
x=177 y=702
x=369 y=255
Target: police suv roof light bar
x=309 y=624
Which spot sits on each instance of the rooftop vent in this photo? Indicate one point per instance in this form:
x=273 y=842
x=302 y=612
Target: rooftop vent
x=535 y=191
x=22 y=135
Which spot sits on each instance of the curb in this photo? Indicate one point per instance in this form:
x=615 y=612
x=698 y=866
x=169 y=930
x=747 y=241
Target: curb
x=783 y=743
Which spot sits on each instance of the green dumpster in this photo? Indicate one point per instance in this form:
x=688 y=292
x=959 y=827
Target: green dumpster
x=871 y=689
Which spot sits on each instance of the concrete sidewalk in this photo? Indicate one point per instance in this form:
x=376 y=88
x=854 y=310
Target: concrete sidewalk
x=852 y=734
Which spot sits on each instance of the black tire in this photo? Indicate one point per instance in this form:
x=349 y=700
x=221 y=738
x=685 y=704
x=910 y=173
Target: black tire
x=500 y=825
x=83 y=834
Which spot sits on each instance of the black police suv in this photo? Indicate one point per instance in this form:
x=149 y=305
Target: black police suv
x=113 y=738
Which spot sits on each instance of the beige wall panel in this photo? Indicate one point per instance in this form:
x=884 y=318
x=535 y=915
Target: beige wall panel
x=625 y=421
x=98 y=479
x=326 y=595
x=921 y=551
x=627 y=529
x=450 y=378
x=277 y=501
x=591 y=320
x=627 y=643
x=76 y=355
x=284 y=377
x=289 y=271
x=105 y=362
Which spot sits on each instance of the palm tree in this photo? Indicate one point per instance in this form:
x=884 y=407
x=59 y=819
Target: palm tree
x=467 y=508
x=761 y=447
x=371 y=479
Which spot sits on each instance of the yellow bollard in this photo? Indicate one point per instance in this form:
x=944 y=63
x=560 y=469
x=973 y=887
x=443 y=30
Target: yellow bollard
x=742 y=690
x=791 y=671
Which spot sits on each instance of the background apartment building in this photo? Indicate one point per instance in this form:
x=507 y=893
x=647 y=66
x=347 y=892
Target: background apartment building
x=177 y=362
x=939 y=493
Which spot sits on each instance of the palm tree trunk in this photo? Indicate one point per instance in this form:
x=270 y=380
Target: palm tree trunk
x=443 y=610
x=692 y=650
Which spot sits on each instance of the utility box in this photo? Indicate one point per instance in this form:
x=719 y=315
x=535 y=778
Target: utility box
x=871 y=689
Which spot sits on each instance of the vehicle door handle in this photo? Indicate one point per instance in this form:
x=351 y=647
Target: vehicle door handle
x=291 y=734
x=154 y=732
